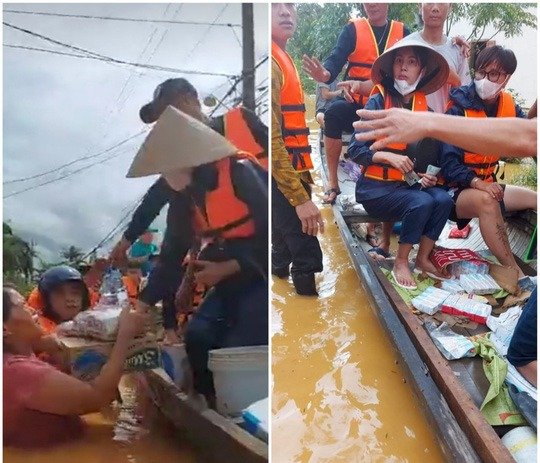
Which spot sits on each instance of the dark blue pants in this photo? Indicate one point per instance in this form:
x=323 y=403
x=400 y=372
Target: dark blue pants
x=289 y=243
x=339 y=117
x=226 y=319
x=421 y=212
x=523 y=346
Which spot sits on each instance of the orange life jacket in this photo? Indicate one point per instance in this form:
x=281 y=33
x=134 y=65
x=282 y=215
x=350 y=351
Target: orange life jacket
x=225 y=216
x=383 y=171
x=361 y=60
x=132 y=286
x=293 y=125
x=484 y=165
x=238 y=133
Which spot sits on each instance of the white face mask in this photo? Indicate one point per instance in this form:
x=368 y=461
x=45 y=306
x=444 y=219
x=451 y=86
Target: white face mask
x=403 y=87
x=487 y=89
x=178 y=179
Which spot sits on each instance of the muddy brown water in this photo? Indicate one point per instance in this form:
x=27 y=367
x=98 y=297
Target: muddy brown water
x=134 y=433
x=339 y=392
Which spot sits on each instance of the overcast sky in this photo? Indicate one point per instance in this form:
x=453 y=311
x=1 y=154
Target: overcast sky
x=58 y=108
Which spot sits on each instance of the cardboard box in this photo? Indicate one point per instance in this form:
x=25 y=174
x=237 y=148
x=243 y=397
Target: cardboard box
x=86 y=357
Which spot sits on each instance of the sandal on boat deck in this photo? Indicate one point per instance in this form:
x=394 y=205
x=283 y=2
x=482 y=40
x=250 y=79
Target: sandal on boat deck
x=419 y=271
x=380 y=251
x=406 y=287
x=328 y=192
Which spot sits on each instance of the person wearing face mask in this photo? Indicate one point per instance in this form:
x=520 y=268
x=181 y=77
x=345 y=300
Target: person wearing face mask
x=221 y=194
x=239 y=125
x=471 y=177
x=404 y=74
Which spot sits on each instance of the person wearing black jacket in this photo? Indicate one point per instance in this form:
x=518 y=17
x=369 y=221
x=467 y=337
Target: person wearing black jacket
x=221 y=194
x=181 y=94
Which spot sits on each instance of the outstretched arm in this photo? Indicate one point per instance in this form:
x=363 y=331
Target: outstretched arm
x=490 y=135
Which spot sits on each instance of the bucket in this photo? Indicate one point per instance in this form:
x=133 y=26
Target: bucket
x=521 y=442
x=240 y=377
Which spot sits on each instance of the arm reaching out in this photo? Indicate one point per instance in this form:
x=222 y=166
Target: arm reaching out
x=492 y=135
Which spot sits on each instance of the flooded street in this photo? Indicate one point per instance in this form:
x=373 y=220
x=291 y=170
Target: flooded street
x=140 y=435
x=338 y=392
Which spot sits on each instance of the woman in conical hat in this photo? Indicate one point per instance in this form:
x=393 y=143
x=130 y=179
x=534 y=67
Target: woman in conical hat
x=219 y=194
x=403 y=75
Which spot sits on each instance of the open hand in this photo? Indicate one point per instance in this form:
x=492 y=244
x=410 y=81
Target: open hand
x=464 y=46
x=315 y=69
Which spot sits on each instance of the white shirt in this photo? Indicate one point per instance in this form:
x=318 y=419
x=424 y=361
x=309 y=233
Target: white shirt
x=458 y=63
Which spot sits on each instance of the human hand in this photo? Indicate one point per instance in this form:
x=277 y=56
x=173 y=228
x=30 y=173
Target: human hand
x=118 y=256
x=396 y=125
x=132 y=323
x=427 y=180
x=464 y=46
x=211 y=273
x=311 y=218
x=313 y=67
x=398 y=161
x=494 y=189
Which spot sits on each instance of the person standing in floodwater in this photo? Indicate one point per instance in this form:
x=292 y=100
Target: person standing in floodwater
x=296 y=220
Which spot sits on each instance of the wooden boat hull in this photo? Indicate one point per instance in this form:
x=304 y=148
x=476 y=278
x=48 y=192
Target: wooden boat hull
x=217 y=438
x=463 y=432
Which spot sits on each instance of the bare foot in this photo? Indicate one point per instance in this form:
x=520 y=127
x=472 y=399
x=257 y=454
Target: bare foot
x=427 y=266
x=402 y=273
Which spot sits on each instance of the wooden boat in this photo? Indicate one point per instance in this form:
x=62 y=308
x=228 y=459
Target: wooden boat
x=218 y=439
x=449 y=392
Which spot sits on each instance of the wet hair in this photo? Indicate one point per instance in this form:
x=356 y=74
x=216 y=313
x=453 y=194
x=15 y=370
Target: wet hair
x=7 y=301
x=503 y=57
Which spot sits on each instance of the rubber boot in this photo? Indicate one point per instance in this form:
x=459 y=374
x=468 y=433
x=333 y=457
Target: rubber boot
x=304 y=283
x=281 y=272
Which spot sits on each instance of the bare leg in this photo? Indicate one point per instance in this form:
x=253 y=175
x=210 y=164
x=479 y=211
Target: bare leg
x=422 y=258
x=320 y=119
x=333 y=152
x=529 y=372
x=517 y=198
x=401 y=265
x=386 y=234
x=475 y=203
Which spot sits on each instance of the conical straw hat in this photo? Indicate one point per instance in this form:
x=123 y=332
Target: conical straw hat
x=178 y=141
x=437 y=69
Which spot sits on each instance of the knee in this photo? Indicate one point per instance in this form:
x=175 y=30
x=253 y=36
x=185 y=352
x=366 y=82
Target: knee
x=487 y=204
x=423 y=204
x=445 y=203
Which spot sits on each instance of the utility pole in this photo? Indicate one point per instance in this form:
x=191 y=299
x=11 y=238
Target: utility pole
x=248 y=55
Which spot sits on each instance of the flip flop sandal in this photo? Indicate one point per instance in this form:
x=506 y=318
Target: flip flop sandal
x=380 y=251
x=430 y=275
x=406 y=287
x=327 y=193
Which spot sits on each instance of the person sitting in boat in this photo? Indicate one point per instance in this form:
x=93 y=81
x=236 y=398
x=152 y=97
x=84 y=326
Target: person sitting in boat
x=62 y=293
x=523 y=349
x=471 y=177
x=404 y=74
x=42 y=405
x=219 y=193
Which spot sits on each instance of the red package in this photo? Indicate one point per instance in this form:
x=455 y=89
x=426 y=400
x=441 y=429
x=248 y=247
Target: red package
x=443 y=257
x=455 y=232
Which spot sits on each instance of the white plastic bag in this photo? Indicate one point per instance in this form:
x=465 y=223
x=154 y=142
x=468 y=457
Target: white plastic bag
x=452 y=345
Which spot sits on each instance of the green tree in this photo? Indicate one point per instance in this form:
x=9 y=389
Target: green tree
x=18 y=255
x=73 y=255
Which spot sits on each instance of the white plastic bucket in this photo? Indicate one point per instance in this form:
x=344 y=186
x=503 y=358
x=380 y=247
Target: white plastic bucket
x=240 y=377
x=521 y=442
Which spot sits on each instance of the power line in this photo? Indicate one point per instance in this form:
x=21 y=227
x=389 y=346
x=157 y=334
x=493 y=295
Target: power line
x=83 y=158
x=113 y=18
x=236 y=81
x=69 y=174
x=97 y=56
x=206 y=32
